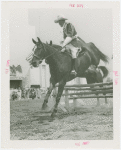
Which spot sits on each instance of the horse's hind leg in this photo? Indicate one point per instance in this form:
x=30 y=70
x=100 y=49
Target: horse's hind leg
x=44 y=105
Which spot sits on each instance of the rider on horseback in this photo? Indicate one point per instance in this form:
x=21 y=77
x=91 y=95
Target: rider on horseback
x=71 y=40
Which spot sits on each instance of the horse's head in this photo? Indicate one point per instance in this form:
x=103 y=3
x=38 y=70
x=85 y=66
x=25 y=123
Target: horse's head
x=39 y=53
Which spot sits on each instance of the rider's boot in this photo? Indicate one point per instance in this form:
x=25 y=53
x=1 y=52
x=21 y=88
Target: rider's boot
x=73 y=64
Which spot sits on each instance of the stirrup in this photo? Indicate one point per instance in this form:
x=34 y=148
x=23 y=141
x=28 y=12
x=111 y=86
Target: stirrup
x=74 y=72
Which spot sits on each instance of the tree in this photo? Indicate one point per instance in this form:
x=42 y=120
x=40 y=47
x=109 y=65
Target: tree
x=13 y=69
x=19 y=69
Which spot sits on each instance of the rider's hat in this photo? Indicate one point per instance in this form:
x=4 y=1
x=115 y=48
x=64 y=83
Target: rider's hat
x=60 y=17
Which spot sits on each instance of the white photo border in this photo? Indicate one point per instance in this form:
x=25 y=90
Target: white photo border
x=5 y=55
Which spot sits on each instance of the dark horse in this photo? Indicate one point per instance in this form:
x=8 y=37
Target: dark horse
x=95 y=76
x=91 y=75
x=60 y=65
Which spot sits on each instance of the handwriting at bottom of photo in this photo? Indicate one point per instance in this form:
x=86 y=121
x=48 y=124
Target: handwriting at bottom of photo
x=83 y=143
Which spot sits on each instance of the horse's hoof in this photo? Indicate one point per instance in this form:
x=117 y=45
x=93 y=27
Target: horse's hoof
x=45 y=110
x=44 y=106
x=52 y=115
x=51 y=119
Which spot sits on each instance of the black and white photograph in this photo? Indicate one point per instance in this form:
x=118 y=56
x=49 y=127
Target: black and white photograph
x=61 y=75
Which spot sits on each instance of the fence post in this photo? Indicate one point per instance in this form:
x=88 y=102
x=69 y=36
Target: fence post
x=36 y=94
x=98 y=102
x=66 y=99
x=106 y=102
x=75 y=103
x=28 y=94
x=54 y=95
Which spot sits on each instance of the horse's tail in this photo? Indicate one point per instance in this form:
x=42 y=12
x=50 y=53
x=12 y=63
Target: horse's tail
x=103 y=57
x=104 y=70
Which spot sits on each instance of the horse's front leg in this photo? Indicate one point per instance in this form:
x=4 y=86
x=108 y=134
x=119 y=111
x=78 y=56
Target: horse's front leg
x=60 y=91
x=44 y=105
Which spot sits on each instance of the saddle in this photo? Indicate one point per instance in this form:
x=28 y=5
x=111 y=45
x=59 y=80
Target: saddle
x=80 y=51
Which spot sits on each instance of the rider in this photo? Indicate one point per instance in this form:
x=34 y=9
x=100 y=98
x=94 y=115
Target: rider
x=71 y=40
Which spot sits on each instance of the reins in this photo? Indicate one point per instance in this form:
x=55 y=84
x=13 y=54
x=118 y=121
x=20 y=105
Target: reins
x=55 y=52
x=52 y=53
x=46 y=50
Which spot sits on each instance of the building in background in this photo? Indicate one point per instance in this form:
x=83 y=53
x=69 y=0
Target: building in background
x=44 y=75
x=16 y=77
x=26 y=83
x=15 y=82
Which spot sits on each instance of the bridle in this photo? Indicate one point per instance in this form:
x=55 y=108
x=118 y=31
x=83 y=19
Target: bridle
x=34 y=55
x=45 y=51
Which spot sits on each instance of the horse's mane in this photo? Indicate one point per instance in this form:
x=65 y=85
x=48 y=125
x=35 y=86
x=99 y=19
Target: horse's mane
x=56 y=46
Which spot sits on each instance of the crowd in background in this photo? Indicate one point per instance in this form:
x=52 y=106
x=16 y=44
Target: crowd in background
x=27 y=93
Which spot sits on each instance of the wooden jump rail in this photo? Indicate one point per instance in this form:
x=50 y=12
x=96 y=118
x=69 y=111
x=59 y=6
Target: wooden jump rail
x=87 y=91
x=89 y=85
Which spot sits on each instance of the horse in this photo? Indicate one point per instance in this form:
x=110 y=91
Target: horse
x=96 y=76
x=60 y=65
x=91 y=75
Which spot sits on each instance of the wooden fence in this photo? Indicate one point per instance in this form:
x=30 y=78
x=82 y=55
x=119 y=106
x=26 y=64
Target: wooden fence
x=84 y=91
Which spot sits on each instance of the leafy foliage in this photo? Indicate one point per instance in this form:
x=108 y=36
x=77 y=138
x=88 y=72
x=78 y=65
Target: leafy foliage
x=13 y=69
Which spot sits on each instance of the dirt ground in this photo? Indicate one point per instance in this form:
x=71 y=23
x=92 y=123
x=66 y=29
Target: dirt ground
x=89 y=122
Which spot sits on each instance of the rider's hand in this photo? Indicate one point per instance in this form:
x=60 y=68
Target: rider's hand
x=63 y=49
